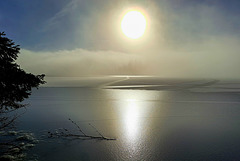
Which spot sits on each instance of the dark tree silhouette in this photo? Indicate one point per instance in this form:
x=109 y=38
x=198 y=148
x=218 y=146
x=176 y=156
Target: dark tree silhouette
x=15 y=86
x=15 y=83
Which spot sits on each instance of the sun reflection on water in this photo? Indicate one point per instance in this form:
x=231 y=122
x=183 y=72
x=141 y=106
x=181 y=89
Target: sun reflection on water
x=131 y=119
x=133 y=108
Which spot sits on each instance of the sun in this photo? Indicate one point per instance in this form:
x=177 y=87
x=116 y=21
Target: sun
x=133 y=24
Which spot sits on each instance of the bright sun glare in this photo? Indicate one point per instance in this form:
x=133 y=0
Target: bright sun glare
x=133 y=24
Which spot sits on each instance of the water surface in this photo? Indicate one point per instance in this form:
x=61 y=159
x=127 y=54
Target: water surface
x=148 y=125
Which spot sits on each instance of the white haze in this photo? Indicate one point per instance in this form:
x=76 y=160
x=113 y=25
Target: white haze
x=215 y=58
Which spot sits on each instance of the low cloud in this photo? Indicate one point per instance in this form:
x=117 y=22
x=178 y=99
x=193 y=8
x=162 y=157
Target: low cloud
x=216 y=58
x=80 y=62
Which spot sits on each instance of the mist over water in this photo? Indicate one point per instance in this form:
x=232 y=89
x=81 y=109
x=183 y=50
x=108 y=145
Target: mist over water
x=172 y=94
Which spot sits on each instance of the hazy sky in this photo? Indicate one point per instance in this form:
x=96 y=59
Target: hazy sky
x=184 y=38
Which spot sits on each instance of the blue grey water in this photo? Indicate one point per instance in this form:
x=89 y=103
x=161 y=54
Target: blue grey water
x=200 y=123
